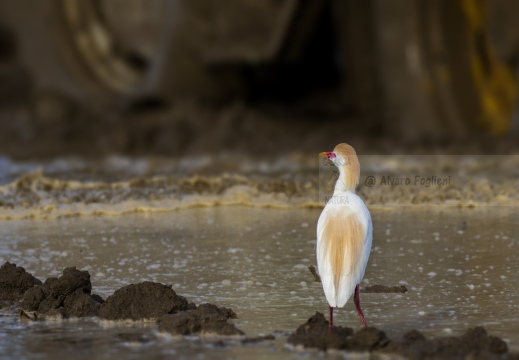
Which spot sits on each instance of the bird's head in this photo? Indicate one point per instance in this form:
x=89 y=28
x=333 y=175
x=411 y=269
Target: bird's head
x=346 y=160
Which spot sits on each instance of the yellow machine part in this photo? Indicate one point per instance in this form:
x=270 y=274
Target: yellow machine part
x=495 y=82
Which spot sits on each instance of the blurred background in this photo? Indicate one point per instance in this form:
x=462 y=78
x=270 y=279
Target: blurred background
x=177 y=77
x=213 y=112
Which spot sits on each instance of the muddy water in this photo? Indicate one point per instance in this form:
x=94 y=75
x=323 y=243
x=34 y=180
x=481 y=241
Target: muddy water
x=461 y=267
x=115 y=186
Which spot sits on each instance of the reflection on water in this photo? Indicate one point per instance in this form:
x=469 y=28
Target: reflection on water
x=461 y=267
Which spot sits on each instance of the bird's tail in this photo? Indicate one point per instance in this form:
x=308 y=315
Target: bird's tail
x=343 y=245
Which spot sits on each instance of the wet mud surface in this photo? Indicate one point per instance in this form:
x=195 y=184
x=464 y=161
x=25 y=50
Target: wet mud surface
x=237 y=257
x=69 y=296
x=475 y=343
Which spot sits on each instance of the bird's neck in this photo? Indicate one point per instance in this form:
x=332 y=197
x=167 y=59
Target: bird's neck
x=345 y=183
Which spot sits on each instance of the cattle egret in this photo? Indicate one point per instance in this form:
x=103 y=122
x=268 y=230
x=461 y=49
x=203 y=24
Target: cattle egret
x=344 y=235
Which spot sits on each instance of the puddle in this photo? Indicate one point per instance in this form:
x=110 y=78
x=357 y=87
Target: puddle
x=461 y=267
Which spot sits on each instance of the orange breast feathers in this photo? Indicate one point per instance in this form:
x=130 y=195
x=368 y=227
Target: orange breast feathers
x=343 y=240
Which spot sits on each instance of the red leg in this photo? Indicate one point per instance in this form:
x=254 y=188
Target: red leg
x=330 y=324
x=356 y=298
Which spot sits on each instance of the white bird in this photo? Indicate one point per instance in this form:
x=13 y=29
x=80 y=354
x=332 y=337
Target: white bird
x=344 y=235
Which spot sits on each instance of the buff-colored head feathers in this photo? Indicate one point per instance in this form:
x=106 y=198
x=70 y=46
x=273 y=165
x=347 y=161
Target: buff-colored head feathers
x=348 y=163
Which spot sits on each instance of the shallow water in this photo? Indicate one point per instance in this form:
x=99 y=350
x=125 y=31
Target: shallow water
x=461 y=267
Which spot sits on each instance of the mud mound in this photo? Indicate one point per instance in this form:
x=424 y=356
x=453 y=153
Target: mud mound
x=70 y=296
x=66 y=296
x=146 y=300
x=475 y=343
x=14 y=282
x=206 y=319
x=314 y=334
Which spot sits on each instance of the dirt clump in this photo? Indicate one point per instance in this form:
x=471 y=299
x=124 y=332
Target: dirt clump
x=475 y=343
x=314 y=334
x=14 y=282
x=66 y=296
x=70 y=296
x=206 y=319
x=146 y=300
x=80 y=304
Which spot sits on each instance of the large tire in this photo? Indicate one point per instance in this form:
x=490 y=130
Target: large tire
x=90 y=50
x=69 y=50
